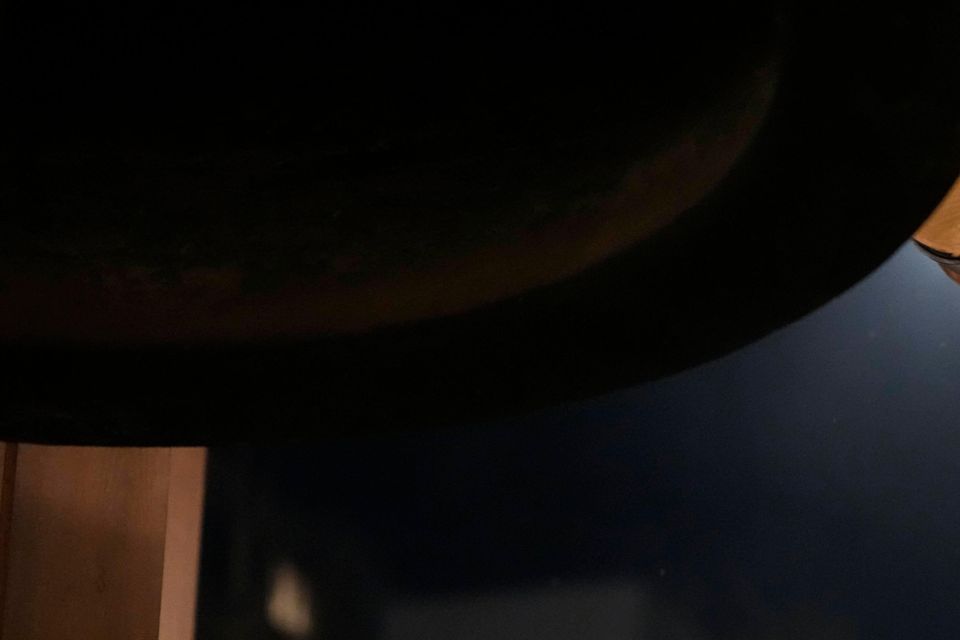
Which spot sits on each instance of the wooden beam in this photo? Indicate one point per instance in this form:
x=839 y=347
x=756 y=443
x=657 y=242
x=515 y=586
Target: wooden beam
x=181 y=557
x=92 y=550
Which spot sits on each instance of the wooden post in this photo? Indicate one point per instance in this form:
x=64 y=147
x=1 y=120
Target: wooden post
x=103 y=542
x=181 y=558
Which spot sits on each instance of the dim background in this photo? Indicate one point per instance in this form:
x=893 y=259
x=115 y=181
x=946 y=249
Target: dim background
x=807 y=486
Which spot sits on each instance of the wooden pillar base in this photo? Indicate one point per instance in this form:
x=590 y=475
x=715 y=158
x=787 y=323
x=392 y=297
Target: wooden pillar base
x=100 y=542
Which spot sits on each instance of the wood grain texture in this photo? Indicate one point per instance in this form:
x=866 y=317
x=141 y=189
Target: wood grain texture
x=86 y=550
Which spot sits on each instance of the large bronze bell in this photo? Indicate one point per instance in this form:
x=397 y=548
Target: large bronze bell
x=233 y=222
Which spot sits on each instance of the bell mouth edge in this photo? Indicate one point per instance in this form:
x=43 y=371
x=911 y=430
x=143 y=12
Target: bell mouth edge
x=942 y=257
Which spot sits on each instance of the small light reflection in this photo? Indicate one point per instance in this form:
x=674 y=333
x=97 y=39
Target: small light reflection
x=289 y=605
